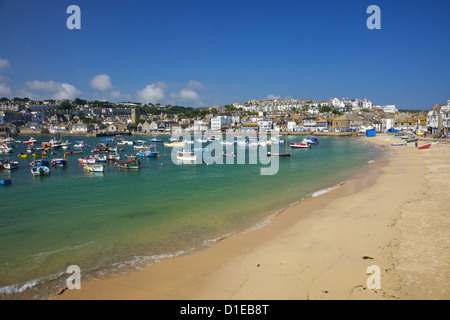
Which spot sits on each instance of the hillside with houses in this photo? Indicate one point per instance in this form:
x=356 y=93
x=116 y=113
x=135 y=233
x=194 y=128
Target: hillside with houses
x=336 y=115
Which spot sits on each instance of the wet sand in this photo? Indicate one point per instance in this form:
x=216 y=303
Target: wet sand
x=394 y=217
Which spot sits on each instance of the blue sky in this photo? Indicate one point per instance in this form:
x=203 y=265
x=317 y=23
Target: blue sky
x=216 y=52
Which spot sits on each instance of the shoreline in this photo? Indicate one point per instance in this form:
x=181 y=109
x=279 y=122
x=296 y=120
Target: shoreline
x=318 y=248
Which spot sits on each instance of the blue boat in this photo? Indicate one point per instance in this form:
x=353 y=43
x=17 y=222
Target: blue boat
x=40 y=162
x=150 y=152
x=311 y=140
x=59 y=162
x=5 y=181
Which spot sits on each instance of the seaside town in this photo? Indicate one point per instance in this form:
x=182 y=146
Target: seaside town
x=341 y=116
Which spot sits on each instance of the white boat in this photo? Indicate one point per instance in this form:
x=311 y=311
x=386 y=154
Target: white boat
x=80 y=145
x=125 y=143
x=40 y=170
x=10 y=165
x=94 y=168
x=226 y=143
x=174 y=144
x=101 y=158
x=187 y=157
x=113 y=156
x=87 y=160
x=31 y=141
x=301 y=145
x=4 y=148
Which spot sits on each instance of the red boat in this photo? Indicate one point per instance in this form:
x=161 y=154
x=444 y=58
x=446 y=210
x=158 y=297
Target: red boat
x=298 y=145
x=30 y=142
x=425 y=146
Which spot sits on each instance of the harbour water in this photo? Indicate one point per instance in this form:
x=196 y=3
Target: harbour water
x=122 y=220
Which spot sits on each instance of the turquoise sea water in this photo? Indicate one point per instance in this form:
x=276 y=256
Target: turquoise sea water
x=122 y=220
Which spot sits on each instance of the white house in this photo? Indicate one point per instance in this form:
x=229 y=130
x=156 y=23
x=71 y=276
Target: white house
x=390 y=108
x=218 y=122
x=265 y=124
x=291 y=126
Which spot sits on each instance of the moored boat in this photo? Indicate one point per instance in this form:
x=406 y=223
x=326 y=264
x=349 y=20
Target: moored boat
x=59 y=162
x=89 y=160
x=398 y=144
x=279 y=155
x=174 y=144
x=31 y=141
x=425 y=146
x=128 y=164
x=40 y=170
x=311 y=140
x=10 y=165
x=187 y=157
x=39 y=162
x=5 y=181
x=4 y=148
x=113 y=156
x=300 y=145
x=94 y=167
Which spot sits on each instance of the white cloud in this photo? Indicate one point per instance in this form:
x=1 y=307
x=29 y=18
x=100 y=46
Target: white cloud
x=4 y=90
x=187 y=94
x=101 y=82
x=152 y=93
x=58 y=90
x=3 y=63
x=195 y=85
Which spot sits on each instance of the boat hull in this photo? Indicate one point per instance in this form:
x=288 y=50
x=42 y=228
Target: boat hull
x=40 y=171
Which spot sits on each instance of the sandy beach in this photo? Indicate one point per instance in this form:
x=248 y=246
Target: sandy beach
x=395 y=217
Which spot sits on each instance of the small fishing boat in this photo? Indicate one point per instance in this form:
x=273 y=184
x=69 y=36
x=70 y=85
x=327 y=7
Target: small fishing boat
x=113 y=157
x=31 y=149
x=10 y=165
x=125 y=143
x=73 y=152
x=39 y=162
x=187 y=157
x=279 y=155
x=94 y=168
x=42 y=154
x=88 y=160
x=80 y=145
x=156 y=140
x=23 y=155
x=4 y=148
x=141 y=147
x=40 y=170
x=101 y=158
x=174 y=144
x=128 y=164
x=311 y=140
x=412 y=140
x=399 y=144
x=300 y=145
x=425 y=146
x=5 y=181
x=59 y=162
x=148 y=153
x=31 y=141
